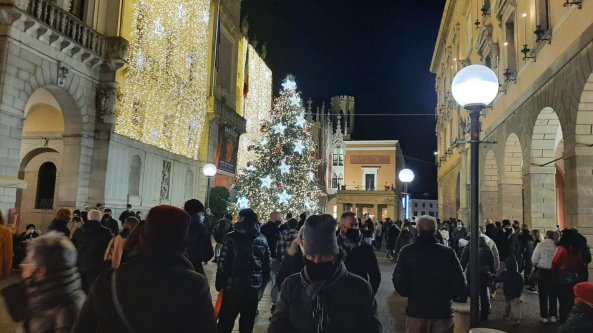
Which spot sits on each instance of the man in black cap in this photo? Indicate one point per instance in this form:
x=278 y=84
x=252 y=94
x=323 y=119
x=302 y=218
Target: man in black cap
x=156 y=290
x=324 y=296
x=199 y=246
x=243 y=268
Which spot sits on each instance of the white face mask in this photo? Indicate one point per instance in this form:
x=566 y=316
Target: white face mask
x=202 y=218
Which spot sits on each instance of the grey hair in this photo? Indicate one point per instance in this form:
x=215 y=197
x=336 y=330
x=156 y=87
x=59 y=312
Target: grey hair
x=94 y=215
x=427 y=225
x=53 y=251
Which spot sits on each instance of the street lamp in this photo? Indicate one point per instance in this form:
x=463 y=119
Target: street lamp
x=209 y=171
x=474 y=87
x=406 y=176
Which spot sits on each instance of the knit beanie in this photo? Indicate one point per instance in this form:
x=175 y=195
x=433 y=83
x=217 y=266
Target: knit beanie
x=320 y=235
x=166 y=228
x=583 y=292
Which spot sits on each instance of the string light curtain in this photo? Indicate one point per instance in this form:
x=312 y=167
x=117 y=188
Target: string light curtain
x=257 y=107
x=163 y=100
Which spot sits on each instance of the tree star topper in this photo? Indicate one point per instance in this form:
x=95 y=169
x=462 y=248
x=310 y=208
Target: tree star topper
x=289 y=84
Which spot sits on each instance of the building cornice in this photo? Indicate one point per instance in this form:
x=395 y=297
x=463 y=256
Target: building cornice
x=371 y=142
x=443 y=35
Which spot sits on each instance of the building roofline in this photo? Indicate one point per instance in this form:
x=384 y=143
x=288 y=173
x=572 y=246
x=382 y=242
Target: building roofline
x=443 y=35
x=376 y=142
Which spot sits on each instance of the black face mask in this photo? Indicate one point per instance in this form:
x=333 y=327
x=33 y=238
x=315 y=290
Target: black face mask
x=321 y=271
x=353 y=235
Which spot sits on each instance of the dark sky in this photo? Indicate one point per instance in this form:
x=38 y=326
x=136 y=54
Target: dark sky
x=378 y=51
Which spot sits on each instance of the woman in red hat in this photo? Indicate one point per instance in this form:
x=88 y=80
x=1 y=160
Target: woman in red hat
x=580 y=319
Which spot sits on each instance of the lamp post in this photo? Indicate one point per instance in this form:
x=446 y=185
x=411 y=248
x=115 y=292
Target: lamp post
x=209 y=171
x=406 y=176
x=474 y=87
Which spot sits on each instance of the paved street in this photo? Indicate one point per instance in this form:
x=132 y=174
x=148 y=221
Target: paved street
x=391 y=308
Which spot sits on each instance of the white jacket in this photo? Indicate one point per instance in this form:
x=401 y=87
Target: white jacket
x=543 y=254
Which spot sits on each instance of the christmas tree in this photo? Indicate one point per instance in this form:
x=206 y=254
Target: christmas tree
x=282 y=176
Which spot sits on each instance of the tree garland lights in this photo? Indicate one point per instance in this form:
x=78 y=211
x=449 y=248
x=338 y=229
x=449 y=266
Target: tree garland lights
x=282 y=175
x=164 y=95
x=258 y=104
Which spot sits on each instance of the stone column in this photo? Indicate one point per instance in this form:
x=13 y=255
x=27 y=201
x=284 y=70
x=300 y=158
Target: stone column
x=72 y=173
x=540 y=198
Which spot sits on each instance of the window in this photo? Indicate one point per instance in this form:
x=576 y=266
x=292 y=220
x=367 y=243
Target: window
x=510 y=46
x=423 y=213
x=423 y=205
x=415 y=213
x=77 y=8
x=430 y=205
x=416 y=204
x=338 y=158
x=335 y=183
x=369 y=182
x=431 y=214
x=542 y=15
x=46 y=186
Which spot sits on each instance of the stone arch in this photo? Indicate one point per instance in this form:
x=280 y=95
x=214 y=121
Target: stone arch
x=579 y=164
x=134 y=176
x=489 y=188
x=541 y=198
x=512 y=180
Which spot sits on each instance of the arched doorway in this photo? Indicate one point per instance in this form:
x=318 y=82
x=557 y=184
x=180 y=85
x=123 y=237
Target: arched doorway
x=512 y=183
x=489 y=188
x=542 y=197
x=41 y=159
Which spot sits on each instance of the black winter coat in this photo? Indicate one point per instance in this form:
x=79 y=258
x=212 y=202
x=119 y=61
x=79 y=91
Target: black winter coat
x=430 y=276
x=270 y=231
x=52 y=303
x=111 y=224
x=362 y=261
x=580 y=320
x=91 y=241
x=292 y=263
x=158 y=292
x=199 y=247
x=244 y=261
x=486 y=258
x=346 y=300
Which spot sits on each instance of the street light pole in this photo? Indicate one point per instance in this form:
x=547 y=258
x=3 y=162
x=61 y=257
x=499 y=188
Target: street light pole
x=208 y=193
x=209 y=171
x=474 y=254
x=474 y=87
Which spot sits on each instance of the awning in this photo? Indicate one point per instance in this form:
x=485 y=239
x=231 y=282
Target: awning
x=12 y=182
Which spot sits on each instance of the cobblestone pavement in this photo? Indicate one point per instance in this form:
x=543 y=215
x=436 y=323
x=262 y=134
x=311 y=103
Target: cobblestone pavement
x=391 y=307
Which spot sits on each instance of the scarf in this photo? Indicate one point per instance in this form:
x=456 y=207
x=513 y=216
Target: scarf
x=318 y=290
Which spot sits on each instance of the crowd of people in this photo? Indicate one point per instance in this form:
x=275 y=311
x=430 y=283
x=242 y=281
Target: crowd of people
x=92 y=273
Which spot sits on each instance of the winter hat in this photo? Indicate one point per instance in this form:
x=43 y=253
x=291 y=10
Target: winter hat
x=292 y=223
x=249 y=215
x=583 y=293
x=166 y=228
x=193 y=206
x=320 y=235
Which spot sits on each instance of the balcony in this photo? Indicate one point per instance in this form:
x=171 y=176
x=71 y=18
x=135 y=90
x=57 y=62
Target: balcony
x=344 y=188
x=48 y=22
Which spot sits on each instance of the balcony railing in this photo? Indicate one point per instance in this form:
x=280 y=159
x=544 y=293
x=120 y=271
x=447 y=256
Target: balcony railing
x=64 y=22
x=364 y=188
x=48 y=22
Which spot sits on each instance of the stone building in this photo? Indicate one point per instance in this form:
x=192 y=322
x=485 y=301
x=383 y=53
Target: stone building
x=358 y=176
x=536 y=164
x=64 y=68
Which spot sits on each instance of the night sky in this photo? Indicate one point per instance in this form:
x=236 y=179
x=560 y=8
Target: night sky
x=378 y=51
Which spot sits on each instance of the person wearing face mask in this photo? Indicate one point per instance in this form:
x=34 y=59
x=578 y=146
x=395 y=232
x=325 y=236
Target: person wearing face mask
x=49 y=297
x=430 y=276
x=360 y=256
x=199 y=248
x=243 y=268
x=324 y=296
x=405 y=237
x=109 y=222
x=458 y=233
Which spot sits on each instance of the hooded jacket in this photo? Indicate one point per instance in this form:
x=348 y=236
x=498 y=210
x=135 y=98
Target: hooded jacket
x=52 y=303
x=342 y=304
x=244 y=260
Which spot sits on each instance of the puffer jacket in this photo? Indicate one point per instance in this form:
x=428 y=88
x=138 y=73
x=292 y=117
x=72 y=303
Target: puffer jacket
x=429 y=295
x=580 y=320
x=52 y=303
x=342 y=304
x=544 y=253
x=244 y=260
x=485 y=256
x=159 y=292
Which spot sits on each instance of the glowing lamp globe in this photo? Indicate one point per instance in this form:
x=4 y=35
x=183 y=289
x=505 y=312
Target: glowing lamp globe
x=474 y=85
x=209 y=170
x=406 y=176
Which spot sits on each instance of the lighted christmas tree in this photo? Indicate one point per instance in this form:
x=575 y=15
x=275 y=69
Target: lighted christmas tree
x=282 y=177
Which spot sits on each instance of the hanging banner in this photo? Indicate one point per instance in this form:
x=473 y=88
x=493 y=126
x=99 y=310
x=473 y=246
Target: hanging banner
x=228 y=140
